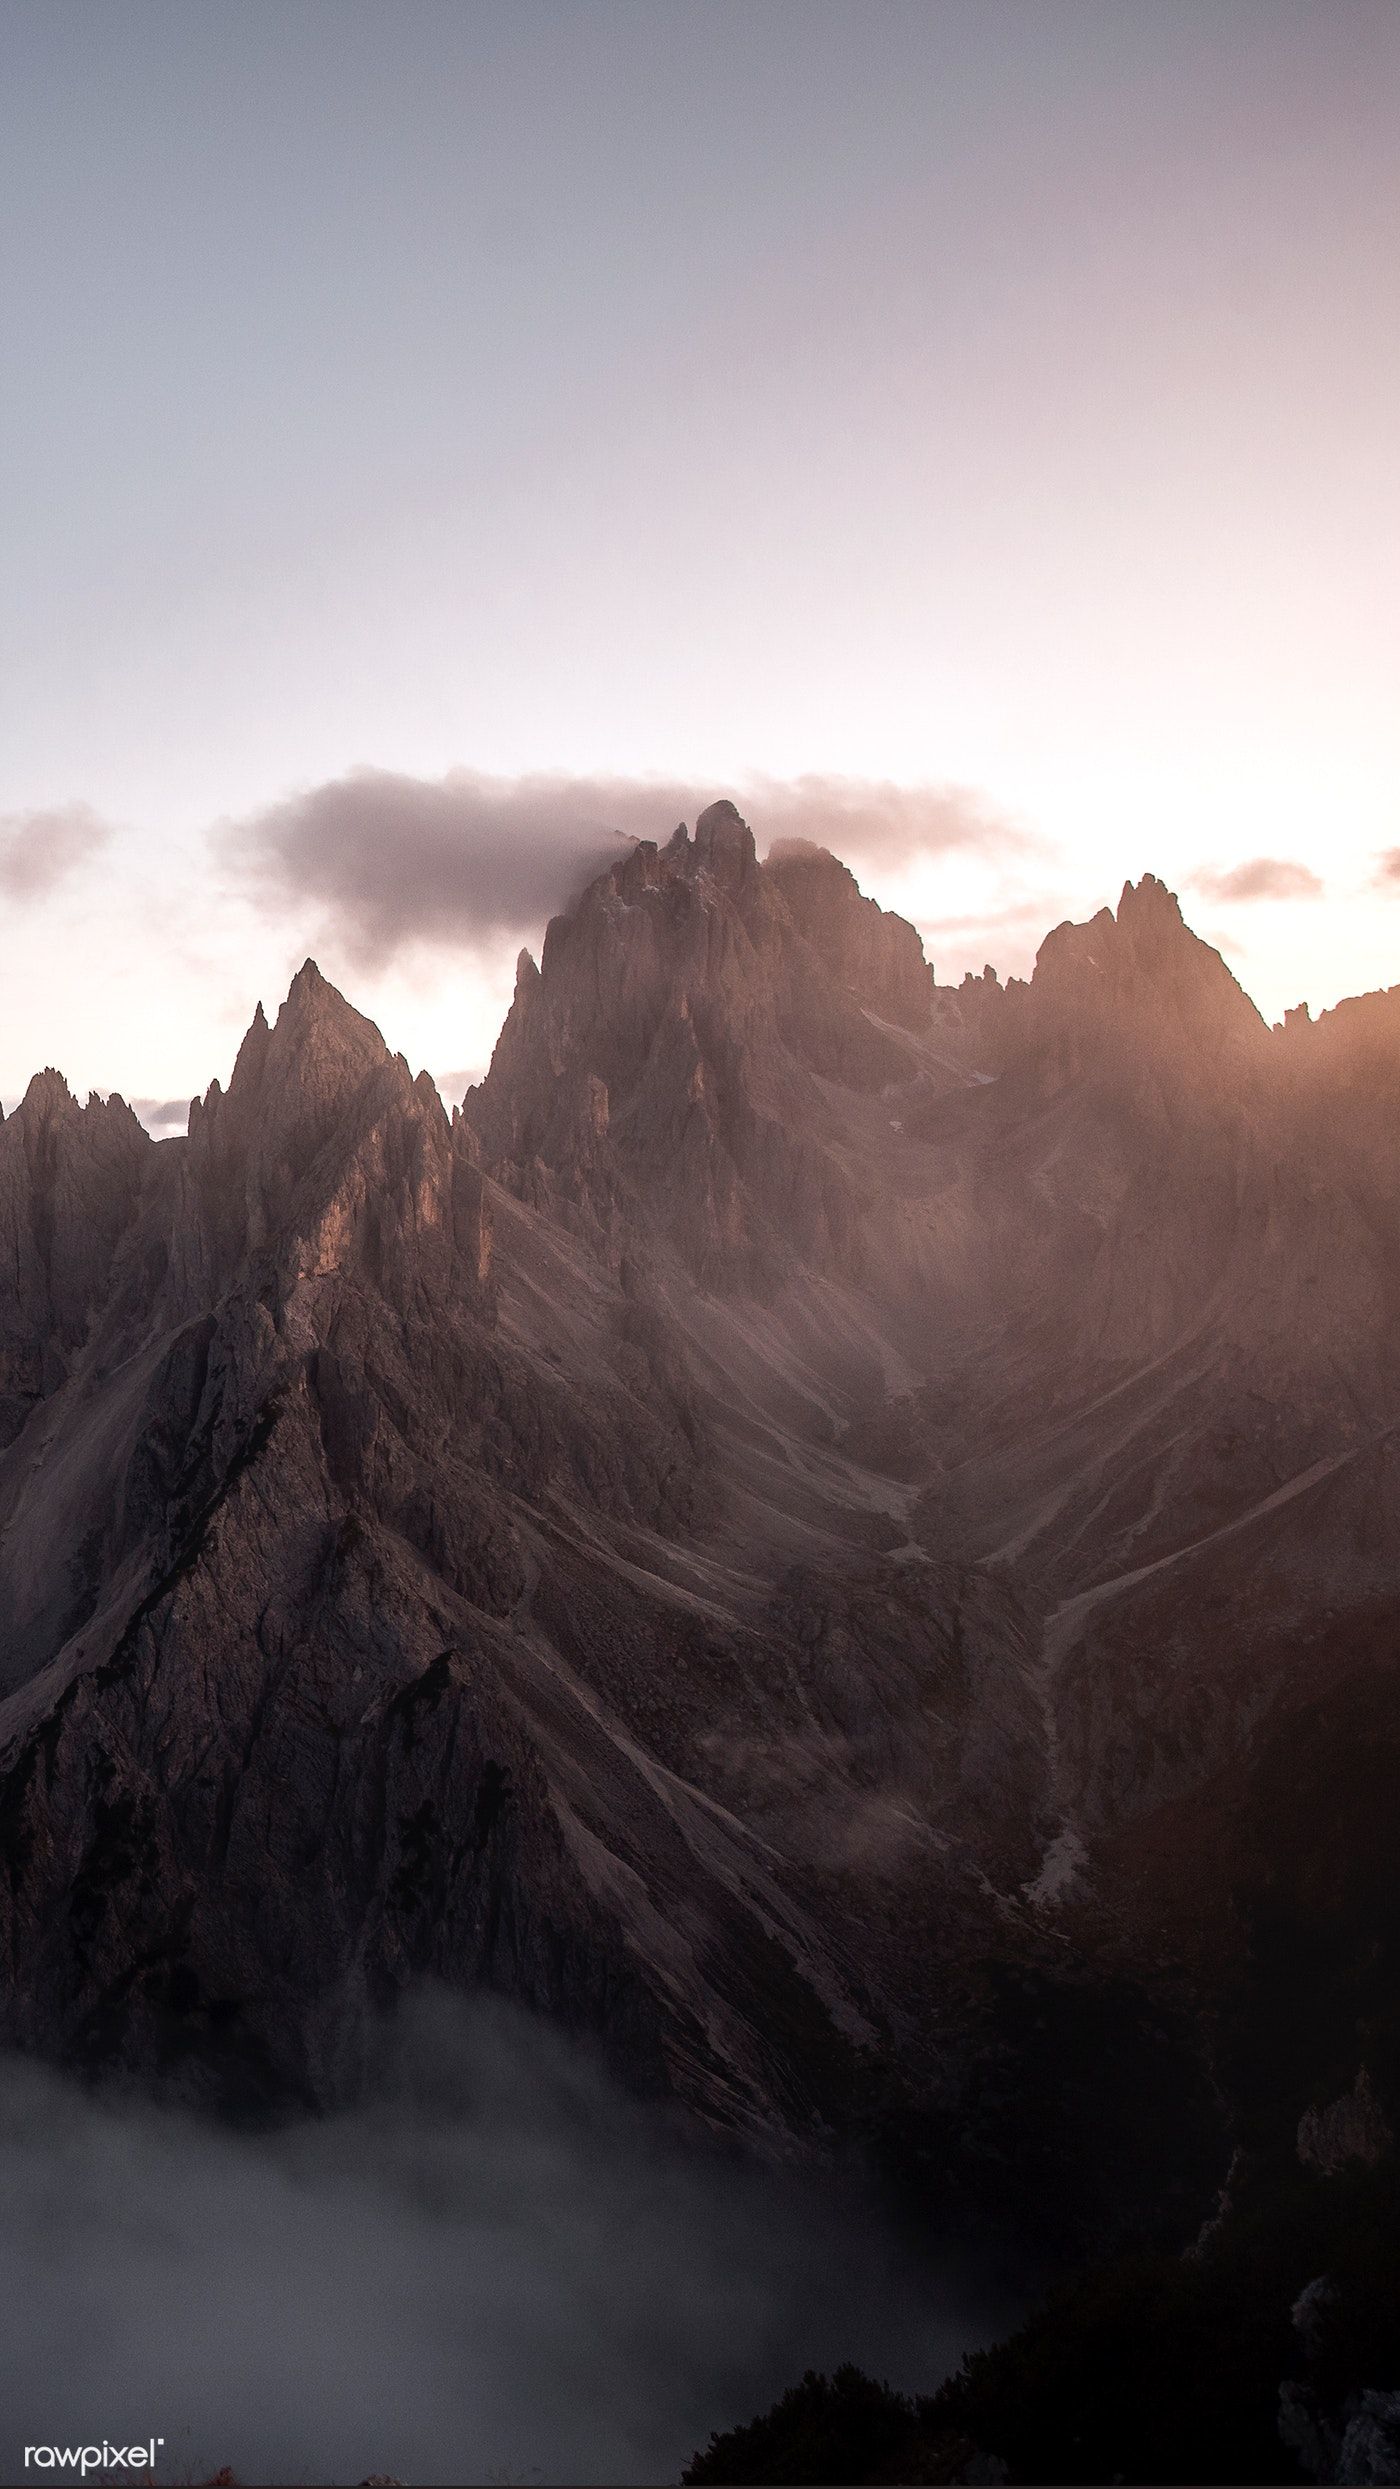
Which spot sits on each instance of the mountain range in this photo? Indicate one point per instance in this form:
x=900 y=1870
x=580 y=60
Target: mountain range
x=834 y=1533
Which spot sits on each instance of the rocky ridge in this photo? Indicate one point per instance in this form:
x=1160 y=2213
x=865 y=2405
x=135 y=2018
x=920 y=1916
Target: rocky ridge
x=775 y=1534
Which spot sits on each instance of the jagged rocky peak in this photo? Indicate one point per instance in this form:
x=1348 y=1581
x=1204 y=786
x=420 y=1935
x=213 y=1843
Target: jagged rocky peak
x=324 y=1148
x=49 y=1102
x=47 y=1095
x=70 y=1177
x=1356 y=1040
x=55 y=1132
x=665 y=1053
x=1145 y=950
x=1138 y=980
x=658 y=928
x=699 y=926
x=291 y=1081
x=876 y=955
x=464 y=1631
x=320 y=1044
x=724 y=845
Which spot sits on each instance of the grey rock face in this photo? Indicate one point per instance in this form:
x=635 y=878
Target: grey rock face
x=1371 y=2446
x=793 y=1534
x=875 y=957
x=1312 y=2439
x=69 y=1181
x=662 y=1078
x=1353 y=2128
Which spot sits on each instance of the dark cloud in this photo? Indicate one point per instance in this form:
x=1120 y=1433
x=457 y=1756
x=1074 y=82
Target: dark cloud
x=1263 y=877
x=499 y=2268
x=40 y=849
x=389 y=861
x=161 y=1115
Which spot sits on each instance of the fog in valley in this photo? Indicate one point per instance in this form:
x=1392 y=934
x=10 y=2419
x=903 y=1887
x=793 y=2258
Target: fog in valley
x=497 y=2268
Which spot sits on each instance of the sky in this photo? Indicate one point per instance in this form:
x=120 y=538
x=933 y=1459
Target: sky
x=436 y=440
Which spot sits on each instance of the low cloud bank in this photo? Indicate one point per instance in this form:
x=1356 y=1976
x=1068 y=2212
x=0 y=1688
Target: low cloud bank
x=497 y=2268
x=390 y=860
x=38 y=850
x=387 y=861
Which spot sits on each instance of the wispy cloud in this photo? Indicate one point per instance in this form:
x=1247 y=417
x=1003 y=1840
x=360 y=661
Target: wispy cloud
x=161 y=1116
x=1017 y=917
x=38 y=850
x=388 y=861
x=1263 y=877
x=879 y=823
x=1387 y=872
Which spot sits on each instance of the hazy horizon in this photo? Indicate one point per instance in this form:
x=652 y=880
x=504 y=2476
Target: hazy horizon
x=425 y=893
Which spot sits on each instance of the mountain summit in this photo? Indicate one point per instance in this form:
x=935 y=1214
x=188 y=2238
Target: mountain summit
x=775 y=1537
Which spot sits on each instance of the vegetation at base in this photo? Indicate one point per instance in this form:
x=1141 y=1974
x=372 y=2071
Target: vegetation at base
x=1157 y=2368
x=840 y=2428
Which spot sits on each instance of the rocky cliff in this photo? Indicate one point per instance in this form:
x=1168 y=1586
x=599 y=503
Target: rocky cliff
x=810 y=1530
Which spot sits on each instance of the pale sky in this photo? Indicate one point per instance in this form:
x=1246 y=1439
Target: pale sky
x=995 y=400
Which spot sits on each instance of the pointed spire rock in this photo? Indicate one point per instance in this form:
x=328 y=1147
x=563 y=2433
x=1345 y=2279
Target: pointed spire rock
x=316 y=1025
x=1149 y=914
x=48 y=1094
x=290 y=1082
x=249 y=1061
x=313 y=995
x=724 y=844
